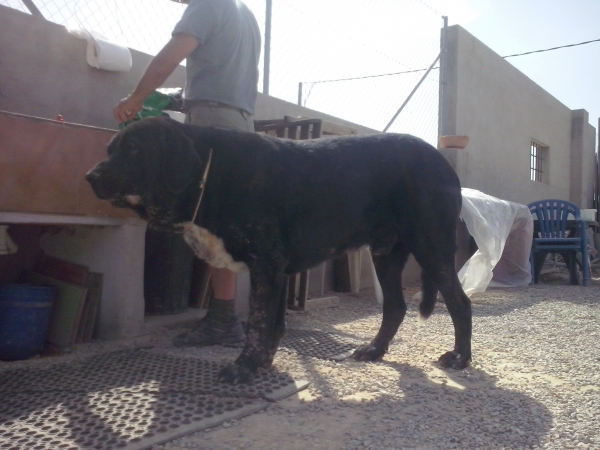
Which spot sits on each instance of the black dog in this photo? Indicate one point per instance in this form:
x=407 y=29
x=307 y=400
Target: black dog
x=278 y=207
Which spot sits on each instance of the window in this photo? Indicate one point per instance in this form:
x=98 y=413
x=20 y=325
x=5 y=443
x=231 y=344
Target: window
x=539 y=162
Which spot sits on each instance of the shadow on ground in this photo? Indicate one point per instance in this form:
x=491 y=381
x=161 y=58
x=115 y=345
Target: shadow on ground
x=472 y=407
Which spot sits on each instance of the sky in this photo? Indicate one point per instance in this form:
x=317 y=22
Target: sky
x=572 y=75
x=403 y=35
x=323 y=40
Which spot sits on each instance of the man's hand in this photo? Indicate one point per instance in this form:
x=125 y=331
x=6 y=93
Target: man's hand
x=162 y=65
x=127 y=108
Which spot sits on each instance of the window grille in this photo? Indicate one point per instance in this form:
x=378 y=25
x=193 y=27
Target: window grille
x=538 y=157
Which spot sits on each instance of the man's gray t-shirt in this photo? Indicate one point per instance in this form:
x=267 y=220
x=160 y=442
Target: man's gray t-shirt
x=224 y=67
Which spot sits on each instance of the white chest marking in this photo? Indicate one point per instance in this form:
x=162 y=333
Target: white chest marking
x=133 y=199
x=210 y=248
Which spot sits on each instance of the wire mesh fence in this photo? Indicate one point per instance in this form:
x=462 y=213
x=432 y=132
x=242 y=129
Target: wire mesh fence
x=336 y=49
x=144 y=25
x=354 y=59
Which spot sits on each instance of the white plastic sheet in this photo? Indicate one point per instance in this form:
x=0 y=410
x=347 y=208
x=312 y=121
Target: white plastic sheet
x=503 y=232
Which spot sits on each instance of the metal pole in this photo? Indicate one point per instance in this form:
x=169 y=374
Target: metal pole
x=32 y=8
x=443 y=106
x=411 y=94
x=267 y=62
x=300 y=93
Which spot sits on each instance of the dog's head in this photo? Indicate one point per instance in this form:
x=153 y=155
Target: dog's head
x=152 y=168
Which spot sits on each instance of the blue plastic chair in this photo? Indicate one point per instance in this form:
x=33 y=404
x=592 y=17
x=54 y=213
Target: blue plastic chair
x=557 y=235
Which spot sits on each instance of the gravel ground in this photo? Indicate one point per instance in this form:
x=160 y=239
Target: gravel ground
x=534 y=381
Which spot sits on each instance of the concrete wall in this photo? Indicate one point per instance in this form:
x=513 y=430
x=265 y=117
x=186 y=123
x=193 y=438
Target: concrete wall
x=583 y=159
x=273 y=108
x=502 y=111
x=43 y=73
x=117 y=252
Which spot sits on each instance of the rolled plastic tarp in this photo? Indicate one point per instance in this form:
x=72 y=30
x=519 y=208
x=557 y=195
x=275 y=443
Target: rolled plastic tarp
x=503 y=232
x=102 y=53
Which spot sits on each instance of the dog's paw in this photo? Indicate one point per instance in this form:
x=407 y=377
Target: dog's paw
x=235 y=374
x=368 y=352
x=453 y=360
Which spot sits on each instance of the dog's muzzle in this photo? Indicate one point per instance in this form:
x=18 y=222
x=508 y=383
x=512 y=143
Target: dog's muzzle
x=101 y=185
x=93 y=178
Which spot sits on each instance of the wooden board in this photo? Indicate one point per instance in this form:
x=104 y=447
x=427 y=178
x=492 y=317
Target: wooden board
x=66 y=312
x=91 y=306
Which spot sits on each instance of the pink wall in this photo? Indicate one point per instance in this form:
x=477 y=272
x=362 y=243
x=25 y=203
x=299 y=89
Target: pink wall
x=43 y=164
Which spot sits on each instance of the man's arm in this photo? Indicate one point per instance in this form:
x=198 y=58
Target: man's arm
x=162 y=65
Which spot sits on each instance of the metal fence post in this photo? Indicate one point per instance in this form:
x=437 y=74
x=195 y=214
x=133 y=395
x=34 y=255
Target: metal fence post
x=267 y=61
x=410 y=95
x=442 y=111
x=33 y=9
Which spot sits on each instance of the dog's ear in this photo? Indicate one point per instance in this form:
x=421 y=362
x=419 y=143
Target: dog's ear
x=181 y=163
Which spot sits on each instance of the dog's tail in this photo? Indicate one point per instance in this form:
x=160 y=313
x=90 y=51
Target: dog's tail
x=428 y=298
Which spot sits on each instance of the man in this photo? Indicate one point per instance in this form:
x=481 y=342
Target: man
x=221 y=41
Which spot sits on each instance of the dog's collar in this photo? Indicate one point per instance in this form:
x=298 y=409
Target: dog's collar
x=202 y=184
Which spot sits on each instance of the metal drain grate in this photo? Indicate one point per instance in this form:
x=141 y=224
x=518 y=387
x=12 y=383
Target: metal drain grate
x=318 y=344
x=127 y=400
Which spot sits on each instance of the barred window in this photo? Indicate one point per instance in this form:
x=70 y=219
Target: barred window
x=539 y=162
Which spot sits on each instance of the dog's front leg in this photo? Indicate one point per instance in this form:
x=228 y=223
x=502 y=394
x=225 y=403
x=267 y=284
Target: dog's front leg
x=266 y=325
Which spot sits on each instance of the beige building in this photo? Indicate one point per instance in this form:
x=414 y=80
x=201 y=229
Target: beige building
x=506 y=115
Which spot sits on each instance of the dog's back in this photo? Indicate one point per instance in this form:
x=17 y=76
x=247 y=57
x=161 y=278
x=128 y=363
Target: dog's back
x=341 y=193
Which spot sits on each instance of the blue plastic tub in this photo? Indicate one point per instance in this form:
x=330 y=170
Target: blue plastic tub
x=25 y=313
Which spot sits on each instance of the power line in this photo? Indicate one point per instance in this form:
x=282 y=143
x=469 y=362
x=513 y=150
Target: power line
x=366 y=76
x=422 y=70
x=553 y=48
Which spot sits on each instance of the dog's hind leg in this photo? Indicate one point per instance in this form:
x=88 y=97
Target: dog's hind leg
x=459 y=307
x=442 y=273
x=389 y=272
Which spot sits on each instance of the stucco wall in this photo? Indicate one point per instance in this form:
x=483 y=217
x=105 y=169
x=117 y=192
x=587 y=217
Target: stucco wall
x=43 y=73
x=502 y=111
x=583 y=159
